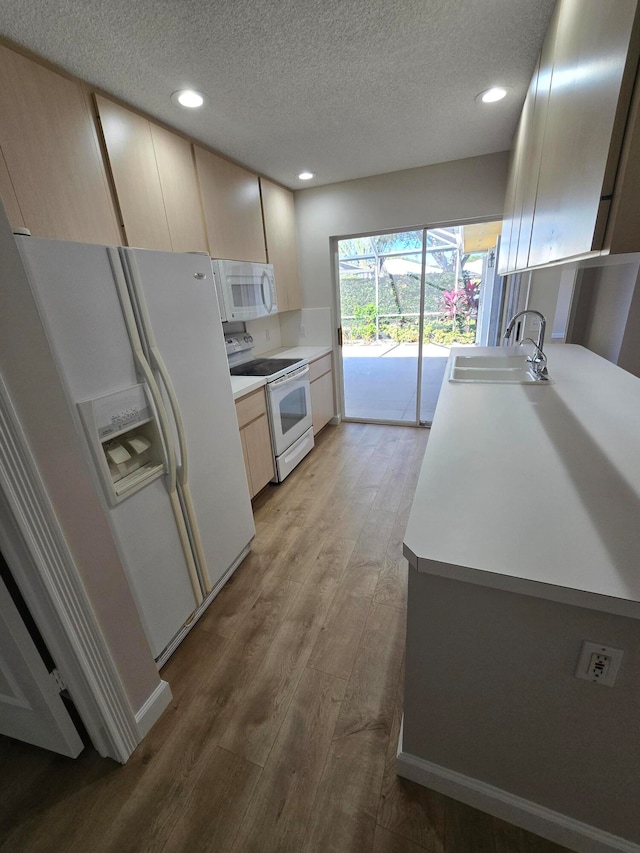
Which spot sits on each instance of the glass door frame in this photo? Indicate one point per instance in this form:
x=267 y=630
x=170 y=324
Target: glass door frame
x=339 y=362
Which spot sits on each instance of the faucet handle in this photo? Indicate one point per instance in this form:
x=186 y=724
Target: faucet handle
x=538 y=359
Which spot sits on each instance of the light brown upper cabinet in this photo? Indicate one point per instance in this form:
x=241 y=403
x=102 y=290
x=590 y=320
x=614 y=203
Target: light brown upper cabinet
x=52 y=155
x=280 y=234
x=232 y=209
x=567 y=149
x=9 y=197
x=155 y=180
x=180 y=191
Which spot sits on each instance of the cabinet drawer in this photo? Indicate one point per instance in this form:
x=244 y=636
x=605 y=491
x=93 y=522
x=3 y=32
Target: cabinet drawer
x=320 y=367
x=251 y=407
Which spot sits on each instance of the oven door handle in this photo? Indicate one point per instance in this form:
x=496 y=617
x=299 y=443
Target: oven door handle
x=290 y=377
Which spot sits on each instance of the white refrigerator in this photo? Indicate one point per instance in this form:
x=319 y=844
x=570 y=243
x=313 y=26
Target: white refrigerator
x=138 y=344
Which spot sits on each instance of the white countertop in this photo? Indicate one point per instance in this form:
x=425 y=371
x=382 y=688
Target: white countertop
x=310 y=353
x=243 y=385
x=536 y=489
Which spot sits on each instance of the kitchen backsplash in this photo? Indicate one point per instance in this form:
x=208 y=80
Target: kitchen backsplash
x=266 y=333
x=308 y=328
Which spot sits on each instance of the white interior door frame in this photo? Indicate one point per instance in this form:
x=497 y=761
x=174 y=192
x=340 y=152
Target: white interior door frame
x=42 y=566
x=31 y=708
x=338 y=377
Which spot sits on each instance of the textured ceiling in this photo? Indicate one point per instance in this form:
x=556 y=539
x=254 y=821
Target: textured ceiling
x=346 y=88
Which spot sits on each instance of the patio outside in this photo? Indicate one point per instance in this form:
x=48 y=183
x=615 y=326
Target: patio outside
x=380 y=295
x=380 y=380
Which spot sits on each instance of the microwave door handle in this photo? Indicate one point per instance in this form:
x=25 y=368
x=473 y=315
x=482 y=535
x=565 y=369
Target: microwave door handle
x=265 y=279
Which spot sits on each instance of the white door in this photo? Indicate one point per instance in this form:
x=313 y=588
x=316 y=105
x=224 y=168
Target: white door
x=75 y=290
x=183 y=317
x=30 y=705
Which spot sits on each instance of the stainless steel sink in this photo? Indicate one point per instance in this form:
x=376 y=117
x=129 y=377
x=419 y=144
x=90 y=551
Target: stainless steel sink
x=502 y=369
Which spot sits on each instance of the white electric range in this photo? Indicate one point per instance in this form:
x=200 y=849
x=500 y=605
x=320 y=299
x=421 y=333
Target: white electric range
x=288 y=400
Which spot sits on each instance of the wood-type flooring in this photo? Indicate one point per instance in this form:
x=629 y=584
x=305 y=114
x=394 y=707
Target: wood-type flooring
x=287 y=694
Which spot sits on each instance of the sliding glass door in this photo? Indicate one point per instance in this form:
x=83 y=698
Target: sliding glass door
x=405 y=298
x=380 y=286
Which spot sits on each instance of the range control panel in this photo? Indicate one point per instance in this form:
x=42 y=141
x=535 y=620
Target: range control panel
x=238 y=343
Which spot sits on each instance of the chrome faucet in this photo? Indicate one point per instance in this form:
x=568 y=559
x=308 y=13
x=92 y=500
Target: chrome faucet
x=538 y=360
x=541 y=330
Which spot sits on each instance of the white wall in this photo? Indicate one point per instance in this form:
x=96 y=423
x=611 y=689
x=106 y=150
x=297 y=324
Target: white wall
x=490 y=693
x=606 y=294
x=613 y=290
x=549 y=290
x=447 y=193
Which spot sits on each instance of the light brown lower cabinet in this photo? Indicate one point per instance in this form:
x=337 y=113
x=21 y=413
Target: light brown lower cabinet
x=322 y=408
x=256 y=440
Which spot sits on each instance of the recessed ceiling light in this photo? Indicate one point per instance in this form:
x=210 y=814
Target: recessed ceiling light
x=306 y=175
x=188 y=98
x=490 y=96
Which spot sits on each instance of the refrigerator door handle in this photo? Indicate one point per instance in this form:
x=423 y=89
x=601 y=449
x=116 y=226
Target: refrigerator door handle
x=158 y=363
x=143 y=366
x=145 y=369
x=183 y=470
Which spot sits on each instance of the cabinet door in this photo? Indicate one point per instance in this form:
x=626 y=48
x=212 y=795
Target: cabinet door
x=232 y=210
x=590 y=56
x=282 y=251
x=180 y=191
x=512 y=238
x=8 y=196
x=322 y=401
x=259 y=454
x=534 y=116
x=247 y=466
x=52 y=155
x=129 y=145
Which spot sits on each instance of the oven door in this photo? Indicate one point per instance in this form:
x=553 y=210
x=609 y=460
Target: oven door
x=289 y=408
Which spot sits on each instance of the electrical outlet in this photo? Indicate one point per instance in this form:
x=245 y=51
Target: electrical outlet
x=598 y=663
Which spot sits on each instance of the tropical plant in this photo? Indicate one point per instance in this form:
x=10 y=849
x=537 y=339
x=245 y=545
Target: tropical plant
x=450 y=303
x=363 y=327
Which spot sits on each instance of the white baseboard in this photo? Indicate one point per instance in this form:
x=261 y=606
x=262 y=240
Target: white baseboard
x=335 y=420
x=153 y=708
x=530 y=816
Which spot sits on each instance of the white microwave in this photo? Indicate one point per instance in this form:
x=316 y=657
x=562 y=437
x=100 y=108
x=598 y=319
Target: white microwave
x=245 y=290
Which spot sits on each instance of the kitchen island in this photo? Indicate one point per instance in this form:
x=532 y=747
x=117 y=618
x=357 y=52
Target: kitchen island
x=523 y=542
